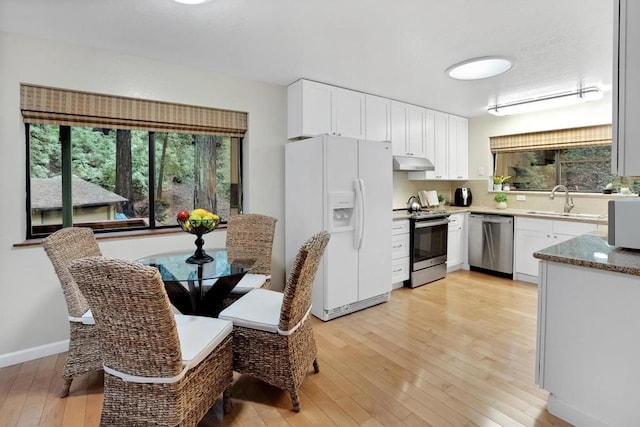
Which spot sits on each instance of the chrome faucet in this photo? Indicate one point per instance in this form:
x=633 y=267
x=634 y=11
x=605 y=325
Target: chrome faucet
x=568 y=201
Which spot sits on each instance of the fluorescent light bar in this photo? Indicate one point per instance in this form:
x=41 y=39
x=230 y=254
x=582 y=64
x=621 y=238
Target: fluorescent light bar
x=191 y=1
x=546 y=102
x=479 y=68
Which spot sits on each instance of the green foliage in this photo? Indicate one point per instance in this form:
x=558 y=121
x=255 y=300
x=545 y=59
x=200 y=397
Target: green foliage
x=94 y=160
x=500 y=197
x=499 y=179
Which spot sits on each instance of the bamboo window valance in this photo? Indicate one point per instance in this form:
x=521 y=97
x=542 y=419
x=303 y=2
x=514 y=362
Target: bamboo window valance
x=552 y=140
x=48 y=105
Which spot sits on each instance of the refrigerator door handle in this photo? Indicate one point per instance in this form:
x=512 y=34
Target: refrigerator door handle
x=359 y=229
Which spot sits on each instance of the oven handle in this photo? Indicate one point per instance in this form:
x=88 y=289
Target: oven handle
x=425 y=224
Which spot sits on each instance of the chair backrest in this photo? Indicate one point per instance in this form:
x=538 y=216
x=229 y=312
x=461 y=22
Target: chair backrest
x=297 y=291
x=136 y=327
x=251 y=236
x=63 y=247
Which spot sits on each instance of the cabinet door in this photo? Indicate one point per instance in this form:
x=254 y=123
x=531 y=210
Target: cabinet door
x=317 y=102
x=399 y=128
x=377 y=118
x=527 y=243
x=348 y=110
x=625 y=154
x=441 y=159
x=416 y=131
x=458 y=146
x=455 y=240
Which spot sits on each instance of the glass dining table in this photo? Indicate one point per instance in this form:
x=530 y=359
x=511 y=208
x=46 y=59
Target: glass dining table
x=199 y=288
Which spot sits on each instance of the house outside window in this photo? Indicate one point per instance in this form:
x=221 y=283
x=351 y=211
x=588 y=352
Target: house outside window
x=579 y=158
x=115 y=178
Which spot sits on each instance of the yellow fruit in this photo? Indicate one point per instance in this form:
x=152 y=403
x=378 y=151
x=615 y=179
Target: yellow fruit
x=199 y=212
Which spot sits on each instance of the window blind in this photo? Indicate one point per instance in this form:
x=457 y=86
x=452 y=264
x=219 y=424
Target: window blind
x=552 y=140
x=47 y=105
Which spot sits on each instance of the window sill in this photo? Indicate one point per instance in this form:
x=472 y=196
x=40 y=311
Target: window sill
x=120 y=235
x=571 y=194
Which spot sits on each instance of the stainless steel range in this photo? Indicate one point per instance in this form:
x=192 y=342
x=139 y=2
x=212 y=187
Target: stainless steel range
x=428 y=254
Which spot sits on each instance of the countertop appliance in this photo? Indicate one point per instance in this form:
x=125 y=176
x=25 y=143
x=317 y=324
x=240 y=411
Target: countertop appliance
x=462 y=196
x=344 y=186
x=491 y=244
x=623 y=223
x=428 y=247
x=413 y=204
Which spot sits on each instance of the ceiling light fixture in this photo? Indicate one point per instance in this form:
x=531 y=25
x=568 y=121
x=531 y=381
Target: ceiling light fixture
x=479 y=68
x=191 y=1
x=547 y=102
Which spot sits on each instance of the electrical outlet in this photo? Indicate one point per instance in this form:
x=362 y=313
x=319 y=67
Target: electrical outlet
x=480 y=171
x=521 y=197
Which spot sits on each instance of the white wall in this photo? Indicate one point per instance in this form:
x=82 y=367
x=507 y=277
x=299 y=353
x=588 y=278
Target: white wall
x=481 y=128
x=32 y=309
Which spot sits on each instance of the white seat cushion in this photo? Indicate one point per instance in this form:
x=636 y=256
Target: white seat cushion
x=199 y=336
x=250 y=282
x=259 y=309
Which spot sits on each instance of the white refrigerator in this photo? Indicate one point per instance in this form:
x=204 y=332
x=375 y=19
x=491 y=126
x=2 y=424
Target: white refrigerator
x=344 y=186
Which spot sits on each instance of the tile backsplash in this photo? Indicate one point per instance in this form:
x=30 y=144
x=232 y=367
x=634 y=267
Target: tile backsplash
x=538 y=200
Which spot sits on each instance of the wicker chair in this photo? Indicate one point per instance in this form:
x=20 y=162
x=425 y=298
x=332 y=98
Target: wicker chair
x=63 y=247
x=160 y=369
x=272 y=339
x=251 y=236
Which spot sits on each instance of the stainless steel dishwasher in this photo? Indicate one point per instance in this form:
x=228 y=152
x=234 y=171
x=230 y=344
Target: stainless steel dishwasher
x=491 y=243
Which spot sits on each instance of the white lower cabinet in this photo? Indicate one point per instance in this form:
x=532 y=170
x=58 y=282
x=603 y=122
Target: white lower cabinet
x=587 y=351
x=400 y=252
x=534 y=234
x=456 y=242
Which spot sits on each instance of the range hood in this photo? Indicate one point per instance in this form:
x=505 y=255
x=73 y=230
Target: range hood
x=408 y=163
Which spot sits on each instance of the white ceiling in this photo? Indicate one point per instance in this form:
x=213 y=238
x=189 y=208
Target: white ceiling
x=397 y=49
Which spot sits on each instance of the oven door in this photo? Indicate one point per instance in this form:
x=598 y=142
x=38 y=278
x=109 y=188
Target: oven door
x=429 y=243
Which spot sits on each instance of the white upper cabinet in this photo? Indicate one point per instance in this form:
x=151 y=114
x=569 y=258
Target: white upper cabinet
x=458 y=148
x=349 y=113
x=625 y=155
x=441 y=144
x=407 y=129
x=449 y=151
x=316 y=108
x=377 y=118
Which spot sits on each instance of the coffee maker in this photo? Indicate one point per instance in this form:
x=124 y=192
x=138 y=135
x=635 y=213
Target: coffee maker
x=462 y=196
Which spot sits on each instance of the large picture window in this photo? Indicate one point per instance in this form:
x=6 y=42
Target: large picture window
x=114 y=178
x=579 y=158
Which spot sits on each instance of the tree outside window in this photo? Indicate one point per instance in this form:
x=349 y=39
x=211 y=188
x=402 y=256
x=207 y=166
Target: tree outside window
x=124 y=179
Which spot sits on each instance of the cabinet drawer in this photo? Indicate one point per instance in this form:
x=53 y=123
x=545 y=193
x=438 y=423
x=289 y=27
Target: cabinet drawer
x=400 y=246
x=573 y=228
x=400 y=226
x=534 y=224
x=400 y=270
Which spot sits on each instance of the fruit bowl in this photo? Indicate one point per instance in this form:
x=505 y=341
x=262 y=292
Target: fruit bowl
x=198 y=222
x=201 y=226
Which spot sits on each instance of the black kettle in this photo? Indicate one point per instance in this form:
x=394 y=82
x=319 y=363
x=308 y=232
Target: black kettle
x=462 y=196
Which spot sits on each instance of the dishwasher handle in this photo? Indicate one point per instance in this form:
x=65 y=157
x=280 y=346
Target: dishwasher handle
x=495 y=219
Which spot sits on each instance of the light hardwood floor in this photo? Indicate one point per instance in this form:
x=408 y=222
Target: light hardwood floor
x=457 y=352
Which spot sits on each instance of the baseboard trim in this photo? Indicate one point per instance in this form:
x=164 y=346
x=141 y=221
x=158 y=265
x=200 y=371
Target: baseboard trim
x=28 y=354
x=570 y=414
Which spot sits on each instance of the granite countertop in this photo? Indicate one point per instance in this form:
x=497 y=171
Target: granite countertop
x=403 y=214
x=592 y=250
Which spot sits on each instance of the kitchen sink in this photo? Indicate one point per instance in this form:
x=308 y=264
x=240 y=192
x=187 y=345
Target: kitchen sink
x=566 y=214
